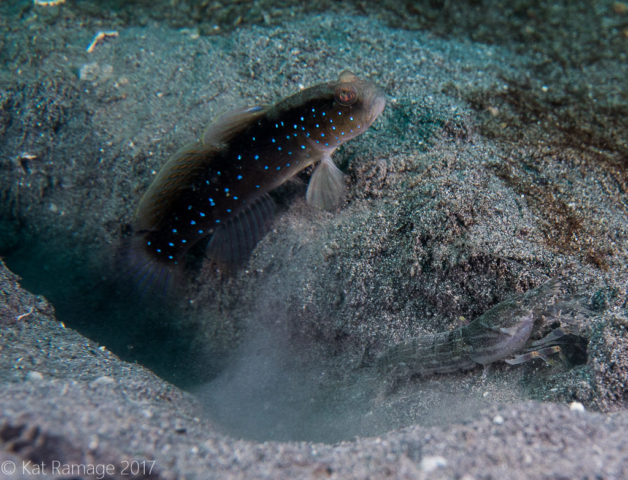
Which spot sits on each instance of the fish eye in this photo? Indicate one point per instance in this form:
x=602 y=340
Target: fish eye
x=346 y=94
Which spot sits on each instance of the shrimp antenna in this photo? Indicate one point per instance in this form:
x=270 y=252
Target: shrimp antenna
x=521 y=265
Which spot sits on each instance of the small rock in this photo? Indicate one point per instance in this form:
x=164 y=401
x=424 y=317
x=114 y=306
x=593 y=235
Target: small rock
x=34 y=376
x=104 y=380
x=620 y=8
x=576 y=407
x=93 y=444
x=92 y=72
x=429 y=464
x=89 y=72
x=179 y=427
x=498 y=420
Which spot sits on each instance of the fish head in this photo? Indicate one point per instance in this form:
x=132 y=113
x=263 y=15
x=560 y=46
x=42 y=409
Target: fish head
x=339 y=111
x=360 y=98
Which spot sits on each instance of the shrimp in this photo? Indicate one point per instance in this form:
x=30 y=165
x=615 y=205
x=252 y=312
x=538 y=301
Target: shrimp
x=499 y=333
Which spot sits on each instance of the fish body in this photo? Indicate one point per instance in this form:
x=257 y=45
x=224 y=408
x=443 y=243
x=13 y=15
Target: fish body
x=218 y=186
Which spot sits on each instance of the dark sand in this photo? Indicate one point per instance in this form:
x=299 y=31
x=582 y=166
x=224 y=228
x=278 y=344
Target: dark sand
x=504 y=137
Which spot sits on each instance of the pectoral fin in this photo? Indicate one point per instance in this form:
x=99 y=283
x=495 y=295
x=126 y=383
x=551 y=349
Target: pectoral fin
x=327 y=186
x=233 y=242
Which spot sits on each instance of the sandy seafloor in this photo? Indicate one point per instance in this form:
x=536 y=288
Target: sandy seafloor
x=500 y=161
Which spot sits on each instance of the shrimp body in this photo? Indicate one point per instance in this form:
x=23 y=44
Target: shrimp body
x=499 y=333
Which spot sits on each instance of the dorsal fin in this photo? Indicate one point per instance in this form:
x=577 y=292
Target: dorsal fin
x=226 y=126
x=234 y=241
x=174 y=177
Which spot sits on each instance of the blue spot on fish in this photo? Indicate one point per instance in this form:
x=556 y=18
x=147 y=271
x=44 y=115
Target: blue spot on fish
x=239 y=177
x=202 y=214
